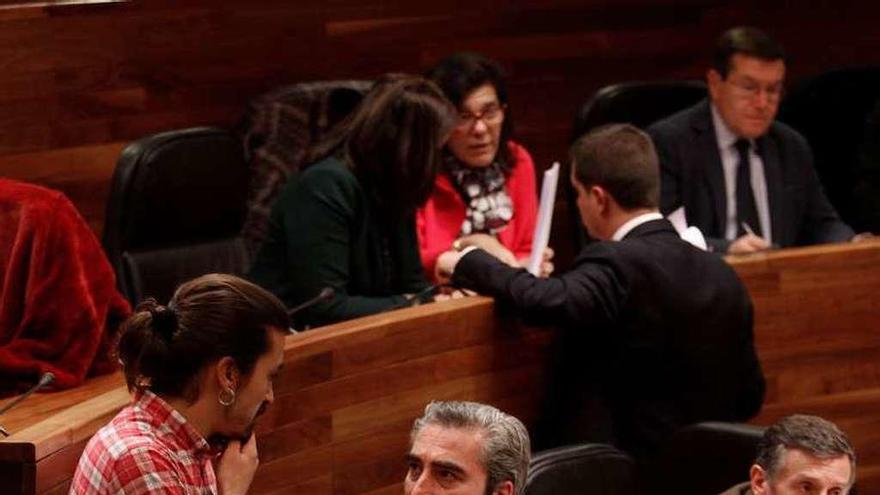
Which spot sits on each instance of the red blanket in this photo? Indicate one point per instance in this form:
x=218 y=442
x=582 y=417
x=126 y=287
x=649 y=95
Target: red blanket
x=59 y=307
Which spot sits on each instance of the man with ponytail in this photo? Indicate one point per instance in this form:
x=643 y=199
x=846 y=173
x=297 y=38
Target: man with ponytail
x=200 y=370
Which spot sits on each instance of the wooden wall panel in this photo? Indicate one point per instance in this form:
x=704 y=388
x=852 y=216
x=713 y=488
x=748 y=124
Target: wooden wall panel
x=348 y=393
x=80 y=78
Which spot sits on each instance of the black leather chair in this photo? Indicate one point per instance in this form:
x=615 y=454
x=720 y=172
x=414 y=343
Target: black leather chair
x=637 y=103
x=176 y=207
x=595 y=469
x=839 y=114
x=712 y=457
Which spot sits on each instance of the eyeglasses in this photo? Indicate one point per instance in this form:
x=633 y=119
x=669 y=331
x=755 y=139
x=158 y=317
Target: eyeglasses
x=751 y=89
x=491 y=115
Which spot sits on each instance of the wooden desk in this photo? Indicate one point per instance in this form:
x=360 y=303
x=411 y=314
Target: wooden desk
x=817 y=330
x=343 y=406
x=349 y=392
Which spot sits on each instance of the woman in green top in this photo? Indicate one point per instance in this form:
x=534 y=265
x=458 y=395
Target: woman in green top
x=348 y=221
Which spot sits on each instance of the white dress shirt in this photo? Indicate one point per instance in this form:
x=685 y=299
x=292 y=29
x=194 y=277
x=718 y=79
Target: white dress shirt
x=730 y=162
x=634 y=222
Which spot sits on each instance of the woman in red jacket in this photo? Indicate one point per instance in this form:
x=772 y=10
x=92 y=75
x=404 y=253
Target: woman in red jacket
x=485 y=194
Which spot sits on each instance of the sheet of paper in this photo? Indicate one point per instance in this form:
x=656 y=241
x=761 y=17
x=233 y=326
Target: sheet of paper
x=678 y=220
x=693 y=235
x=545 y=218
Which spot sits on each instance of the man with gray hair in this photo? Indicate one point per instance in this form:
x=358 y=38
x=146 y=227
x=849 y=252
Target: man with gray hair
x=466 y=448
x=801 y=454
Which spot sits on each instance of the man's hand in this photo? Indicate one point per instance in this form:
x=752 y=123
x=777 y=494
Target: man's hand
x=445 y=266
x=452 y=294
x=862 y=236
x=546 y=263
x=492 y=246
x=237 y=466
x=749 y=243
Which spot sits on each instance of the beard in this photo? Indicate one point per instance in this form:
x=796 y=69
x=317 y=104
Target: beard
x=218 y=441
x=249 y=429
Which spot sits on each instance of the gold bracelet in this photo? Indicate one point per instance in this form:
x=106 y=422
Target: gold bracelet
x=457 y=245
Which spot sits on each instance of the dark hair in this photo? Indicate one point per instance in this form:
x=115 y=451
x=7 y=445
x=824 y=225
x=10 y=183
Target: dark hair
x=392 y=141
x=621 y=159
x=811 y=434
x=745 y=40
x=461 y=73
x=164 y=348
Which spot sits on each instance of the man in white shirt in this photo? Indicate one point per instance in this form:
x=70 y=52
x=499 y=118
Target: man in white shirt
x=746 y=181
x=657 y=333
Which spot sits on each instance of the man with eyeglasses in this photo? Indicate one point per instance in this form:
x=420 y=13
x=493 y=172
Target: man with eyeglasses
x=746 y=181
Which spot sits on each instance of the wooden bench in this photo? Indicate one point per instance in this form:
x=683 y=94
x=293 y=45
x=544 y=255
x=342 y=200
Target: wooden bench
x=350 y=392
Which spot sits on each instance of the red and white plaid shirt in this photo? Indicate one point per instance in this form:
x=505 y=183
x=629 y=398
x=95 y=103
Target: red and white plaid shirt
x=147 y=448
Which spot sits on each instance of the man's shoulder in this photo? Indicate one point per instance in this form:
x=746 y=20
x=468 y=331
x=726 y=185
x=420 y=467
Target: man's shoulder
x=740 y=489
x=680 y=121
x=659 y=246
x=125 y=434
x=785 y=134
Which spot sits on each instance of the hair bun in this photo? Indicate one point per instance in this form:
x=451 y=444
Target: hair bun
x=164 y=322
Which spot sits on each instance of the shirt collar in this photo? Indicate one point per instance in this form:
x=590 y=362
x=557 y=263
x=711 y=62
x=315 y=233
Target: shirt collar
x=725 y=136
x=163 y=416
x=634 y=222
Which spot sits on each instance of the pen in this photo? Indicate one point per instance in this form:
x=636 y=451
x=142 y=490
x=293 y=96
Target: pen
x=749 y=231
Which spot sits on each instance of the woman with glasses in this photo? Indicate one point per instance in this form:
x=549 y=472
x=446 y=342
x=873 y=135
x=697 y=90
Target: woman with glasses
x=485 y=194
x=348 y=221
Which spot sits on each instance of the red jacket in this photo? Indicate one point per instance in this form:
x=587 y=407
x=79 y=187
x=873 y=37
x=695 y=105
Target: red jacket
x=59 y=307
x=439 y=221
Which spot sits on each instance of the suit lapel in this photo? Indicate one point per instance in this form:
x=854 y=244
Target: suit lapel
x=773 y=178
x=707 y=146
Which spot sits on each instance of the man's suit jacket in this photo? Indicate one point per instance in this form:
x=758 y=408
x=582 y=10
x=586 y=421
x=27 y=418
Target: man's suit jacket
x=657 y=335
x=693 y=177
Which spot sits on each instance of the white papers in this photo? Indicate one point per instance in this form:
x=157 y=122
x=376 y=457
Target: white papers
x=690 y=234
x=678 y=220
x=545 y=219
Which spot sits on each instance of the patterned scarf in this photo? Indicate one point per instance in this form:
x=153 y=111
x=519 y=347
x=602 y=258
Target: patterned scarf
x=488 y=207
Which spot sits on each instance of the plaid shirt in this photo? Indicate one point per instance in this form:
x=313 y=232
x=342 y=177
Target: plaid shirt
x=147 y=448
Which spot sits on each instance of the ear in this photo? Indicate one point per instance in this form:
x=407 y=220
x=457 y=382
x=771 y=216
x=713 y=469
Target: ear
x=504 y=488
x=227 y=373
x=714 y=79
x=575 y=183
x=758 y=479
x=601 y=197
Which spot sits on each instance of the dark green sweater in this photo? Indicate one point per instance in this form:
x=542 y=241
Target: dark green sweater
x=326 y=231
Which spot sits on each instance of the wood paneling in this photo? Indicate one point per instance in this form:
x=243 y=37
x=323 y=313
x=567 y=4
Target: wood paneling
x=817 y=337
x=348 y=393
x=80 y=78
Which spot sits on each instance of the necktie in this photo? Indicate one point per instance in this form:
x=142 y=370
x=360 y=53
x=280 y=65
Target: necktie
x=746 y=211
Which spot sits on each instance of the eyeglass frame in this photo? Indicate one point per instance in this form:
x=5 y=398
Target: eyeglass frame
x=490 y=115
x=752 y=89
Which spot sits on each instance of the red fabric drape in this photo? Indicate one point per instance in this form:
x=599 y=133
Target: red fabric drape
x=59 y=307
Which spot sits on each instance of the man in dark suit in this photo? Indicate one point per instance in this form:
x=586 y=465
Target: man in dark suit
x=744 y=179
x=657 y=333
